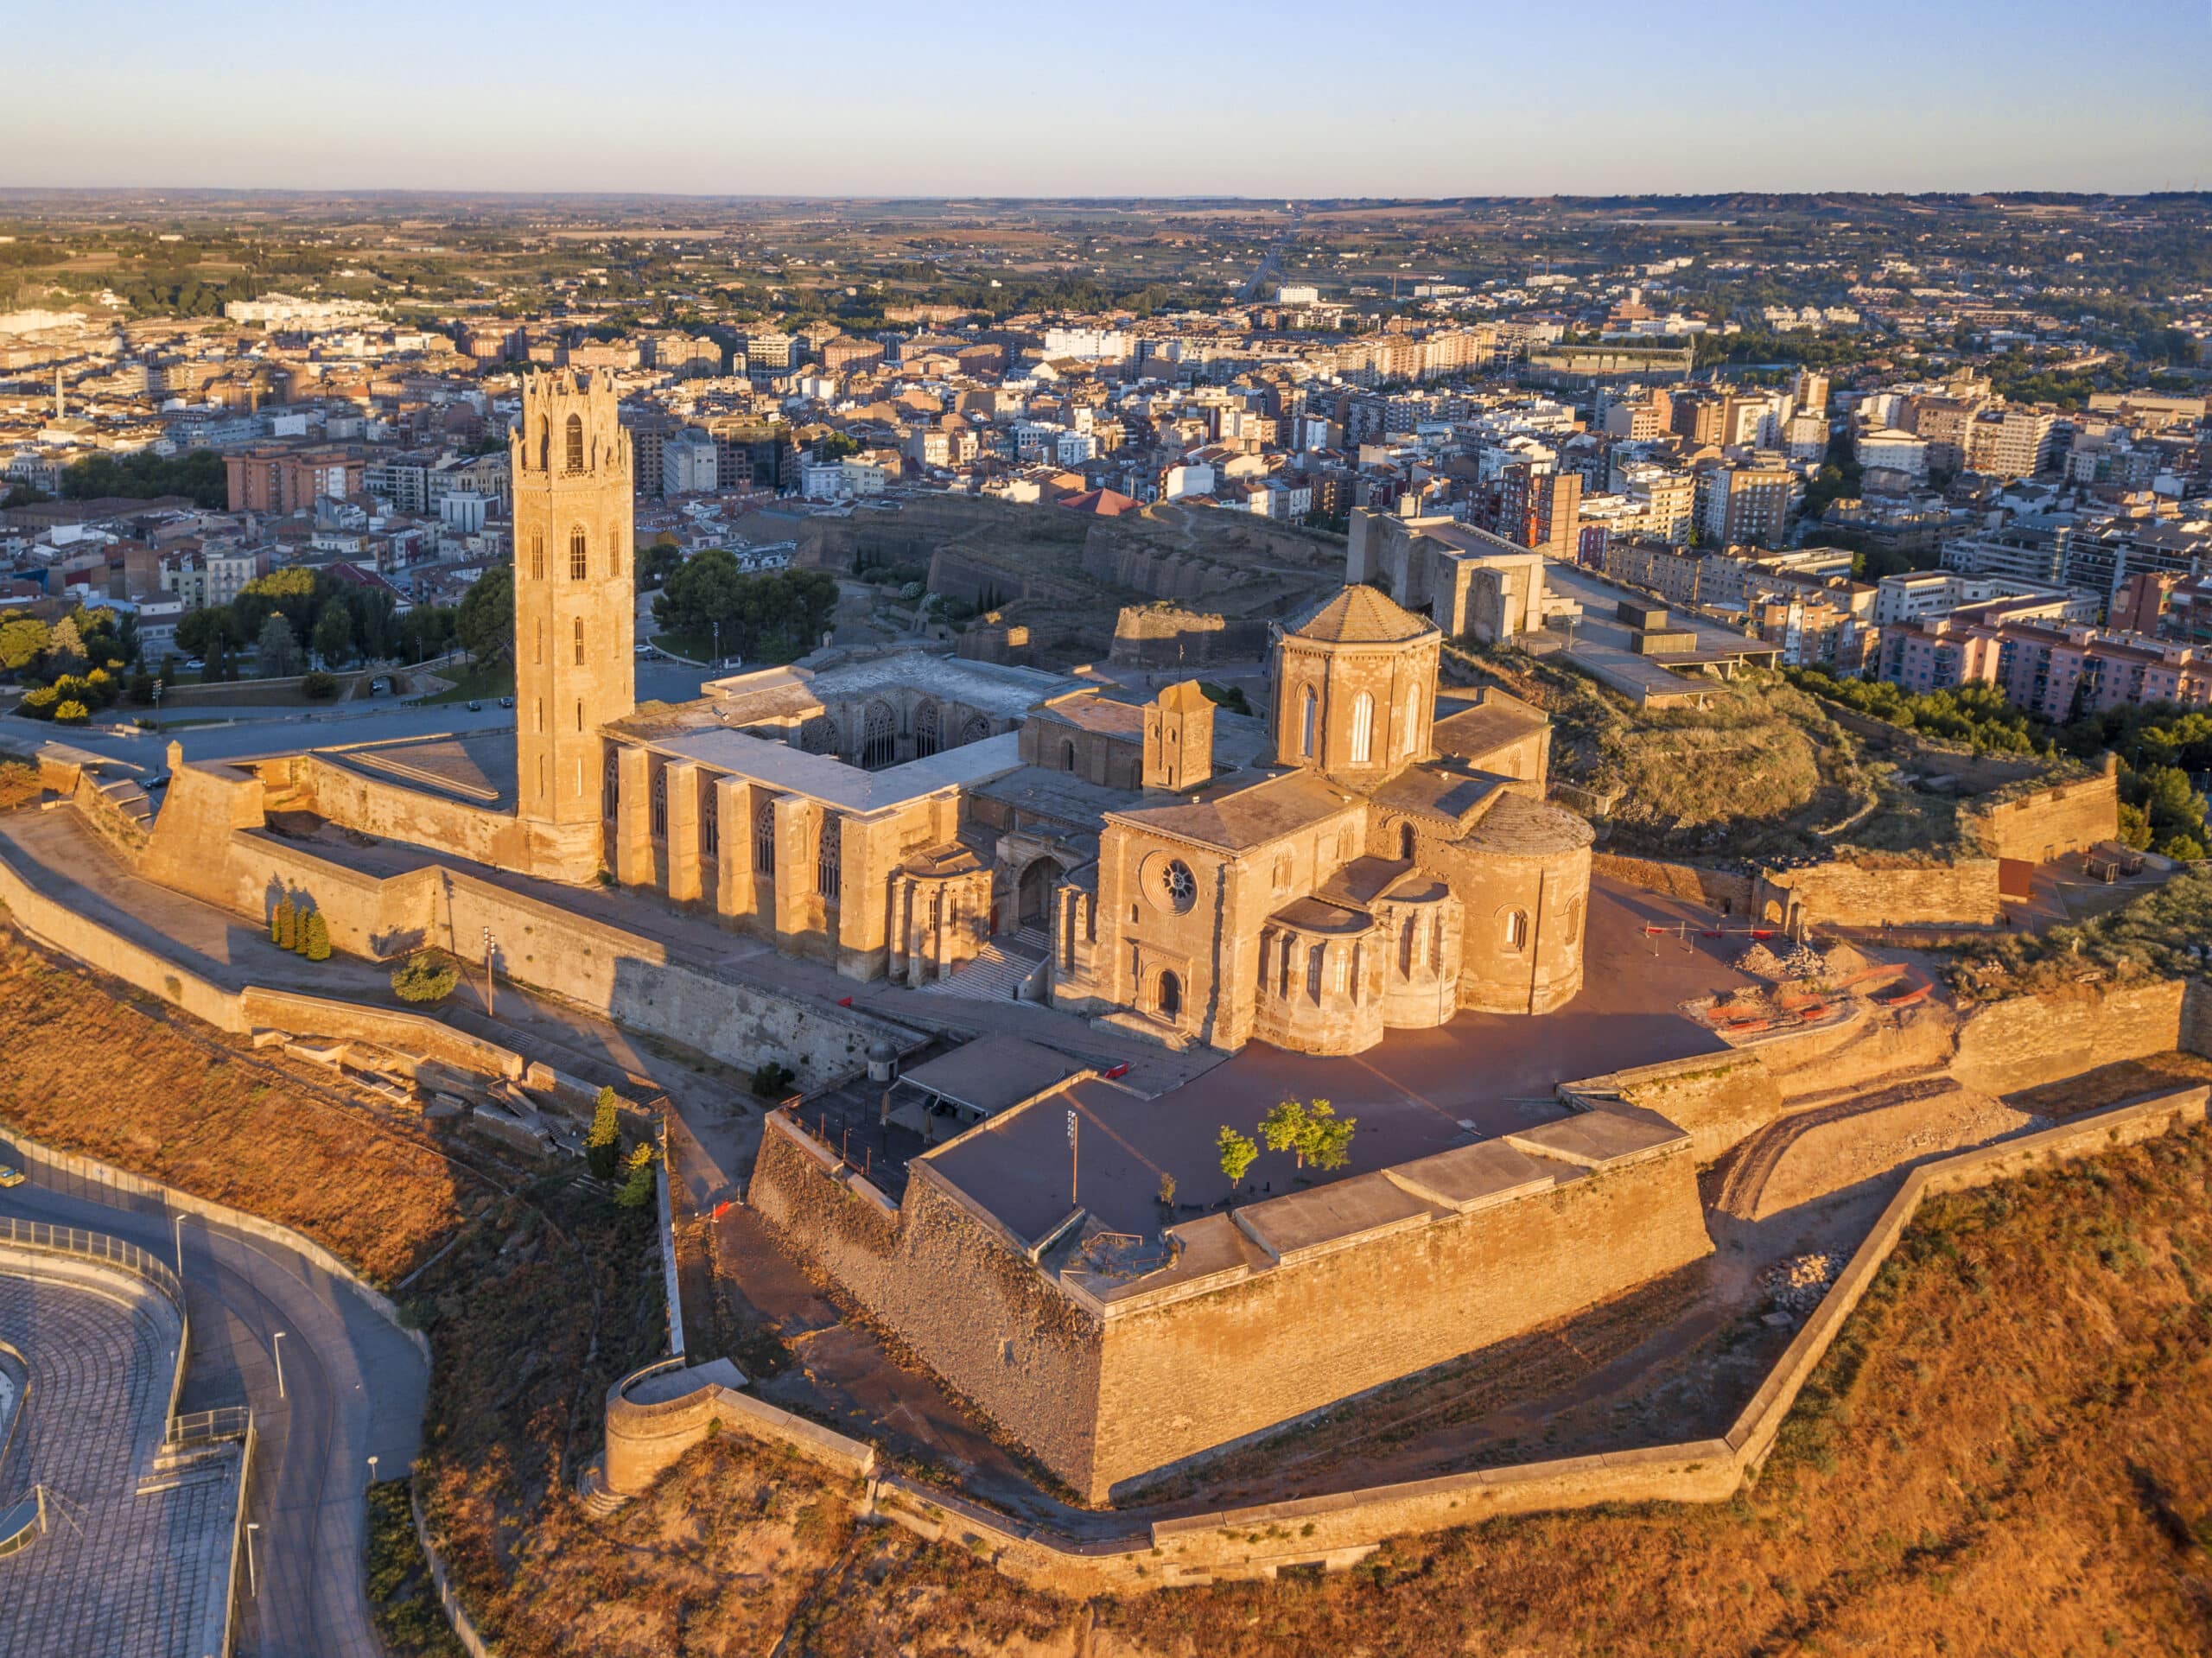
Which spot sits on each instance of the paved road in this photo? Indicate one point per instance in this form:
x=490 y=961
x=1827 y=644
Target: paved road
x=1271 y=266
x=353 y=1387
x=284 y=730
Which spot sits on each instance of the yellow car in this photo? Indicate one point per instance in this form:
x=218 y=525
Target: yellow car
x=10 y=1176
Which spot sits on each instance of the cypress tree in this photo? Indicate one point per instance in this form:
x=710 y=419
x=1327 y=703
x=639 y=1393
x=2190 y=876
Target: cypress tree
x=603 y=1145
x=315 y=935
x=286 y=931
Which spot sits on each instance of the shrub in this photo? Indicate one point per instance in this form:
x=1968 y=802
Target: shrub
x=426 y=975
x=638 y=1191
x=603 y=1145
x=772 y=1080
x=71 y=713
x=284 y=926
x=320 y=686
x=315 y=940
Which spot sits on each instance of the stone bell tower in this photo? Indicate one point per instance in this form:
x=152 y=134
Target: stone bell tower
x=576 y=611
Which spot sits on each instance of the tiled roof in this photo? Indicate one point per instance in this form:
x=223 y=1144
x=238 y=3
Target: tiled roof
x=1361 y=615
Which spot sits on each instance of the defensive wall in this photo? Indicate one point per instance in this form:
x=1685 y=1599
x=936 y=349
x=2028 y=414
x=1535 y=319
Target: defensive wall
x=210 y=841
x=1339 y=1529
x=1997 y=1047
x=1875 y=891
x=1268 y=1312
x=2048 y=822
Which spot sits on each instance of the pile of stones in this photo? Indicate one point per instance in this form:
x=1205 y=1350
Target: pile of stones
x=1797 y=1285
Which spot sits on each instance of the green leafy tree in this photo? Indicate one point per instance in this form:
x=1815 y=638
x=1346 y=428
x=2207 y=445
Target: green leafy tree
x=603 y=1145
x=204 y=631
x=1283 y=1129
x=1237 y=1153
x=70 y=712
x=319 y=686
x=284 y=926
x=638 y=1189
x=1325 y=1140
x=658 y=561
x=314 y=937
x=426 y=975
x=486 y=624
x=334 y=633
x=279 y=648
x=65 y=647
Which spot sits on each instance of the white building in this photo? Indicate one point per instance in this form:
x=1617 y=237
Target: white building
x=687 y=463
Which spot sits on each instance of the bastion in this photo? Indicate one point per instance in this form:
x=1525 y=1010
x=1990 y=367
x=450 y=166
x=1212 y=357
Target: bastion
x=1113 y=1357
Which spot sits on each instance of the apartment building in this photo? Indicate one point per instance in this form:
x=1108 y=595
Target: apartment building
x=283 y=480
x=2010 y=442
x=1537 y=508
x=1744 y=504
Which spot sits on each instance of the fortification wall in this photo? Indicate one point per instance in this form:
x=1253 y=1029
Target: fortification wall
x=2012 y=1044
x=959 y=1290
x=1711 y=887
x=1166 y=636
x=1198 y=1373
x=400 y=811
x=2070 y=817
x=1848 y=894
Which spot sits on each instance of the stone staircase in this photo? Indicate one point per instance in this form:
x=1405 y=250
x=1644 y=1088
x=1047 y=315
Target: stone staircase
x=998 y=970
x=592 y=1492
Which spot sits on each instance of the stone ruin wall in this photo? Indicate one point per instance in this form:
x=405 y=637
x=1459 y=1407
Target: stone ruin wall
x=1166 y=636
x=1846 y=894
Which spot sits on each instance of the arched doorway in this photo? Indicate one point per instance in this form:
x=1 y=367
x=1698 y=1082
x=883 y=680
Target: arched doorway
x=1032 y=890
x=1171 y=997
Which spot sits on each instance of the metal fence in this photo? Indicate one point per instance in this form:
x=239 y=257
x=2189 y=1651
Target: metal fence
x=93 y=1246
x=207 y=1426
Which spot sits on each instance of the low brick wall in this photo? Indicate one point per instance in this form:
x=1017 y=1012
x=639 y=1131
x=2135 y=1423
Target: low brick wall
x=1848 y=894
x=645 y=1441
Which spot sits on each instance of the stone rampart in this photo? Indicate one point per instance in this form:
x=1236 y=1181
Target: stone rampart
x=1845 y=893
x=1339 y=1529
x=2043 y=825
x=1714 y=888
x=415 y=1035
x=1337 y=1291
x=2007 y=1045
x=644 y=1439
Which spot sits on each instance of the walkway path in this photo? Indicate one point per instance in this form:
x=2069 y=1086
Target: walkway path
x=352 y=1386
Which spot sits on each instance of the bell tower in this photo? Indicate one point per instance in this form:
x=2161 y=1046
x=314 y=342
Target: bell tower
x=575 y=610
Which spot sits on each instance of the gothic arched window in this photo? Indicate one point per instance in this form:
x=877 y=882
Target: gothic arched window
x=1308 y=706
x=710 y=819
x=660 y=803
x=1517 y=930
x=579 y=561
x=537 y=556
x=764 y=838
x=879 y=737
x=1362 y=728
x=925 y=731
x=818 y=736
x=1067 y=755
x=610 y=787
x=580 y=641
x=576 y=455
x=975 y=729
x=827 y=857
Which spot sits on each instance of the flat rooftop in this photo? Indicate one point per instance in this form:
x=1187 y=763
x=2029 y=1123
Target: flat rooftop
x=477 y=767
x=834 y=783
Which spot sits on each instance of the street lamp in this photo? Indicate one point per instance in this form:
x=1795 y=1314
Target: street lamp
x=252 y=1579
x=372 y=1470
x=278 y=1346
x=176 y=1222
x=487 y=973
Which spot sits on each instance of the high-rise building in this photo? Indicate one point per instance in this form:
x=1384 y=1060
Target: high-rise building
x=1744 y=505
x=576 y=611
x=1538 y=509
x=1811 y=392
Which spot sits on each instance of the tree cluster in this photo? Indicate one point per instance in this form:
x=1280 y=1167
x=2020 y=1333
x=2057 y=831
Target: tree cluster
x=1309 y=1130
x=773 y=616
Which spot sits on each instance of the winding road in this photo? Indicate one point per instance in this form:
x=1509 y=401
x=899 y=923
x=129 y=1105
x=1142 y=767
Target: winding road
x=352 y=1387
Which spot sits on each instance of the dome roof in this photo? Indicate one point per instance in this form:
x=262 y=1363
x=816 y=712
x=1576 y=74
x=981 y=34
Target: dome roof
x=1361 y=615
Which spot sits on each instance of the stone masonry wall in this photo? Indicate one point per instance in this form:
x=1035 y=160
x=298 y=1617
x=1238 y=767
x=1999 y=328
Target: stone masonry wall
x=1866 y=895
x=1711 y=887
x=2033 y=1039
x=2068 y=818
x=1202 y=1372
x=958 y=1293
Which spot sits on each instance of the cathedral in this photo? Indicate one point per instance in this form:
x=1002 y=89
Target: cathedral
x=1370 y=853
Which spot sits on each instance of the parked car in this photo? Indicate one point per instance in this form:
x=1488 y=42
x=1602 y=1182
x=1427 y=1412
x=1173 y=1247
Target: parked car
x=380 y=686
x=10 y=1175
x=475 y=707
x=506 y=702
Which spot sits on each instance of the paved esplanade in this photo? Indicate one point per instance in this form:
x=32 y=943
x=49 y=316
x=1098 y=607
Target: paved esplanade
x=134 y=1557
x=352 y=1386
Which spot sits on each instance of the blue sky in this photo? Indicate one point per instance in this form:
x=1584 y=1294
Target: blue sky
x=1295 y=98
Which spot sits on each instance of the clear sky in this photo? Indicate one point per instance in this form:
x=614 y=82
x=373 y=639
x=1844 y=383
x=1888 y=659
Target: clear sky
x=866 y=97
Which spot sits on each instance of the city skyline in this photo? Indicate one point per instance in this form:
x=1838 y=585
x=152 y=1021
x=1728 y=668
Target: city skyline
x=1886 y=98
